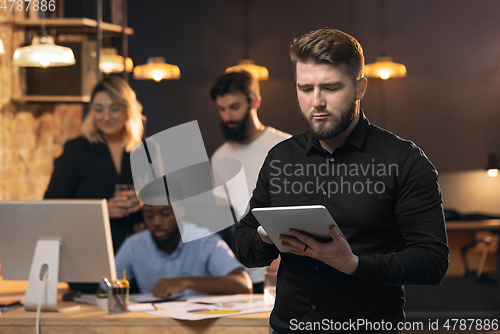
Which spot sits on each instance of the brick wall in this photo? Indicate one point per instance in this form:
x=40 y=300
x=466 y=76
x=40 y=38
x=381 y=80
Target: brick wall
x=31 y=135
x=31 y=141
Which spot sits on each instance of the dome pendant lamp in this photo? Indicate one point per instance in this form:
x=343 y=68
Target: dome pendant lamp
x=43 y=52
x=259 y=72
x=384 y=67
x=111 y=62
x=157 y=69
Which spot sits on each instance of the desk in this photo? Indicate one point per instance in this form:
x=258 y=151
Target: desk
x=16 y=288
x=90 y=320
x=457 y=241
x=474 y=225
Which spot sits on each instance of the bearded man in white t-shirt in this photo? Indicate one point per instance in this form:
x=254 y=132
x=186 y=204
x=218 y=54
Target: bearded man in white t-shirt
x=237 y=97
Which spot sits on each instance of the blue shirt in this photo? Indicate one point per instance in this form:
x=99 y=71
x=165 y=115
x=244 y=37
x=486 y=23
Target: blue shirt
x=206 y=257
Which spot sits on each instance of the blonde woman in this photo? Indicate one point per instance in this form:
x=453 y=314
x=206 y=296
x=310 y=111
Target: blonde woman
x=92 y=165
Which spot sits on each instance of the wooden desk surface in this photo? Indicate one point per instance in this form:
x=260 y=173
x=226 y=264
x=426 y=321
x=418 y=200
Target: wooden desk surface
x=90 y=320
x=19 y=287
x=473 y=225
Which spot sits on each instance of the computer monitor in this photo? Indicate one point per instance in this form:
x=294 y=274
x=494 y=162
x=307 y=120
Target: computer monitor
x=71 y=239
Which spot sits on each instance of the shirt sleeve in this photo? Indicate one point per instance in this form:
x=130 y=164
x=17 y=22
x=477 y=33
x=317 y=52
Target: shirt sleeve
x=419 y=216
x=249 y=247
x=65 y=175
x=123 y=260
x=221 y=260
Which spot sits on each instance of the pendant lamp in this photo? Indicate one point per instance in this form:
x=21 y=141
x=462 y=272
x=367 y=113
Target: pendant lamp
x=43 y=52
x=110 y=62
x=384 y=67
x=157 y=69
x=492 y=165
x=259 y=72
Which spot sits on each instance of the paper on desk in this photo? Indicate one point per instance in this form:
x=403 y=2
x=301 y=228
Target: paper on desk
x=135 y=307
x=212 y=307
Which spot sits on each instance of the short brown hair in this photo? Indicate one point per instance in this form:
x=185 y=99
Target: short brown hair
x=329 y=46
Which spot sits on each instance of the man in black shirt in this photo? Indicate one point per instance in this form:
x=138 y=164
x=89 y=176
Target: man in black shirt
x=381 y=190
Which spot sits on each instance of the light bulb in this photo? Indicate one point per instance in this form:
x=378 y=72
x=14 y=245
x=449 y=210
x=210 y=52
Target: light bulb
x=492 y=172
x=157 y=76
x=385 y=75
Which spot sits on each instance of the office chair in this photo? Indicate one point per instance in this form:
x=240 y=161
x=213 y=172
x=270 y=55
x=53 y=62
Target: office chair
x=487 y=244
x=482 y=262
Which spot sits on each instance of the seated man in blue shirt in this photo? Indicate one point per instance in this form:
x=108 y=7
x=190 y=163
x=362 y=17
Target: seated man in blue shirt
x=162 y=264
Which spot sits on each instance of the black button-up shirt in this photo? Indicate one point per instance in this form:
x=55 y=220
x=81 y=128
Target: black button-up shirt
x=383 y=193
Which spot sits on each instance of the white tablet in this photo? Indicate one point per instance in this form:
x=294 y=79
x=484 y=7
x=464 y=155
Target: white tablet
x=314 y=220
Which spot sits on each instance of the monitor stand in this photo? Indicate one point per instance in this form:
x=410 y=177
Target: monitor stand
x=45 y=261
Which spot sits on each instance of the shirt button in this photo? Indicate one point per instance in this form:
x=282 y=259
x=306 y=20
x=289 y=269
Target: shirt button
x=324 y=193
x=316 y=268
x=331 y=159
x=313 y=307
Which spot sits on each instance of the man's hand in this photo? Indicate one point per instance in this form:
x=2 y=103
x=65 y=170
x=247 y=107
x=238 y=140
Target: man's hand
x=165 y=286
x=263 y=235
x=237 y=281
x=336 y=253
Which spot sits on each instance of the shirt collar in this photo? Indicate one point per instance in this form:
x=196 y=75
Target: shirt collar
x=358 y=135
x=356 y=138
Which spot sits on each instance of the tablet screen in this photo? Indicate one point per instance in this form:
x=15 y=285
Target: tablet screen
x=314 y=220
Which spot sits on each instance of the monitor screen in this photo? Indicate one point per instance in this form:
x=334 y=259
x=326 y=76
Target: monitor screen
x=84 y=247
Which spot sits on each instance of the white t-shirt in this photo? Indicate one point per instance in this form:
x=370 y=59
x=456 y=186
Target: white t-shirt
x=251 y=156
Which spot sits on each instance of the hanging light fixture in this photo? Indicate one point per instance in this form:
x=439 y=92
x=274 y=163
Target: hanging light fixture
x=384 y=67
x=43 y=52
x=492 y=165
x=157 y=69
x=2 y=50
x=110 y=62
x=259 y=72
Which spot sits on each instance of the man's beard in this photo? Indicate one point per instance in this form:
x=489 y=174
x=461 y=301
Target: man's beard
x=171 y=238
x=240 y=132
x=342 y=122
